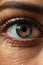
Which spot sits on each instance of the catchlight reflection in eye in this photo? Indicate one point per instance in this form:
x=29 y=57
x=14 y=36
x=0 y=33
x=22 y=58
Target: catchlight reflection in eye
x=22 y=28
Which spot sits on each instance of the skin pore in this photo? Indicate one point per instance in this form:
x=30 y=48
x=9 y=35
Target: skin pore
x=10 y=55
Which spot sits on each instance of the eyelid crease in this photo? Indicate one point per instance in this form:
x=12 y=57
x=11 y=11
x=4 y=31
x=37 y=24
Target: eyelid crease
x=30 y=7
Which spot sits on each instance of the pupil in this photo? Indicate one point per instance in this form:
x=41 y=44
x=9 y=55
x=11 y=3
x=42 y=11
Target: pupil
x=24 y=29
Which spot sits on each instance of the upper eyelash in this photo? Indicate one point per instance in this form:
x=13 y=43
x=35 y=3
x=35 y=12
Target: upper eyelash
x=15 y=19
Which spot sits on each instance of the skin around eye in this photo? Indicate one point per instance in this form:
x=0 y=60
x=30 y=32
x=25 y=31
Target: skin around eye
x=9 y=29
x=13 y=54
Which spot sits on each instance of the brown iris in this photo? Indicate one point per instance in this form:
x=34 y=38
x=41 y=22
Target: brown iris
x=24 y=30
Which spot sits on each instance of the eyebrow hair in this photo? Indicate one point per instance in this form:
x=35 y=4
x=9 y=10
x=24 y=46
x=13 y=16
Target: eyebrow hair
x=19 y=5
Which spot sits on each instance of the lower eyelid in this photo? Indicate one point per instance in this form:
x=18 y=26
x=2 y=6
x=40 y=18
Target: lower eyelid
x=20 y=43
x=28 y=43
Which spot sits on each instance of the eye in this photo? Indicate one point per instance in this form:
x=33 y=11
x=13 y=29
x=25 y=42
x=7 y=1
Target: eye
x=21 y=28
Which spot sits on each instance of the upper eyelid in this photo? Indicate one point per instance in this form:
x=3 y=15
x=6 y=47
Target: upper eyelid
x=7 y=14
x=11 y=2
x=33 y=18
x=14 y=12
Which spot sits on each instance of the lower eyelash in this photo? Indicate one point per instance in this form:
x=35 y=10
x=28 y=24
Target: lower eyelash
x=19 y=43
